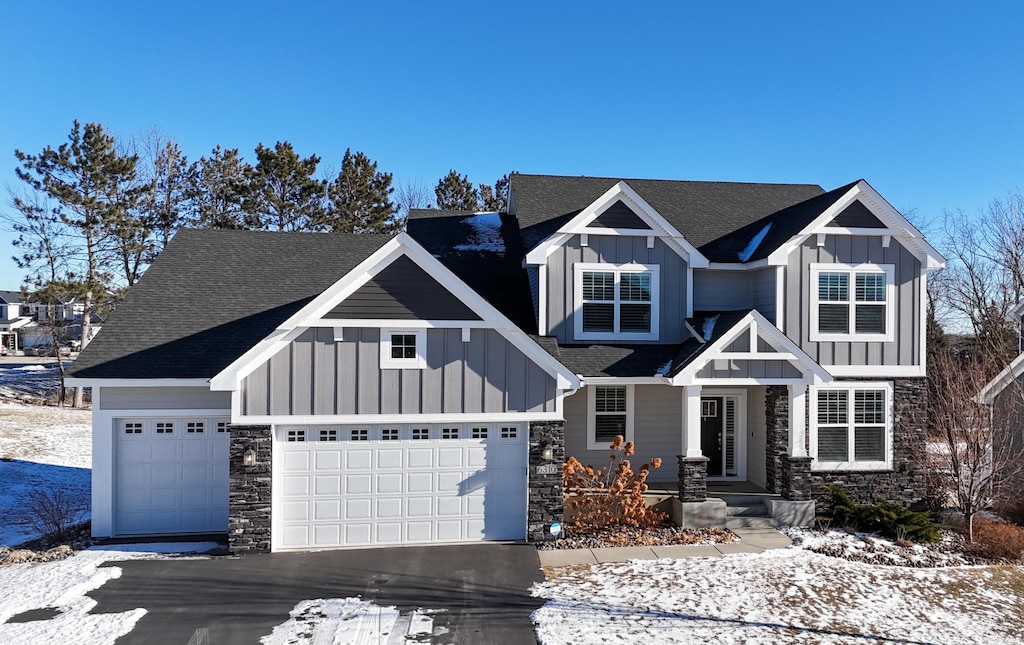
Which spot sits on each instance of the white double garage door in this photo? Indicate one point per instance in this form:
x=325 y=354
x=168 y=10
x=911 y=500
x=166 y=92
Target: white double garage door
x=398 y=484
x=333 y=486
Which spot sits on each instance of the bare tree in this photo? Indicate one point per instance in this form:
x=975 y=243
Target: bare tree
x=412 y=194
x=974 y=452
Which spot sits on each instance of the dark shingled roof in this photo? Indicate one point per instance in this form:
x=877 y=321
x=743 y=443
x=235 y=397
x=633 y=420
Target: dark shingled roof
x=703 y=211
x=11 y=297
x=212 y=295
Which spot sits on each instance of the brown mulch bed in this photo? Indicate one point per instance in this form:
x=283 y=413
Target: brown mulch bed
x=612 y=536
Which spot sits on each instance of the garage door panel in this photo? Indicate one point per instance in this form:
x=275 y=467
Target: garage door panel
x=165 y=474
x=400 y=489
x=198 y=473
x=134 y=451
x=197 y=450
x=296 y=511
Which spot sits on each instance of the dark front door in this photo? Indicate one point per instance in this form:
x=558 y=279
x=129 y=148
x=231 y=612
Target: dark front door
x=711 y=431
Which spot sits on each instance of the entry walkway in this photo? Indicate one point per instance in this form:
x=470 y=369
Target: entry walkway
x=751 y=541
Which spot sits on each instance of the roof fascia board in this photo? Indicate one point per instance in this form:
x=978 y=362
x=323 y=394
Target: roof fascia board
x=1009 y=374
x=625 y=380
x=402 y=244
x=126 y=382
x=896 y=225
x=738 y=266
x=779 y=341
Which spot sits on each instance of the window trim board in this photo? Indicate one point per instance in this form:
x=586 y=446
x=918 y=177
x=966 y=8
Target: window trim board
x=889 y=431
x=579 y=268
x=814 y=303
x=592 y=443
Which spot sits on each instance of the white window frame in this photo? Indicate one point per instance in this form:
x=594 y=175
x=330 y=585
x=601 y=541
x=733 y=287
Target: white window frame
x=618 y=270
x=592 y=442
x=812 y=427
x=389 y=363
x=852 y=270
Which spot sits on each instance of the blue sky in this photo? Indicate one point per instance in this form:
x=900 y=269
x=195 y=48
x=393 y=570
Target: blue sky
x=923 y=99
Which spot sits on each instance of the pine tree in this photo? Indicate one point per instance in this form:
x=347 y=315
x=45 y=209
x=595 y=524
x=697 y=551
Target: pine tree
x=219 y=184
x=360 y=198
x=284 y=194
x=494 y=199
x=456 y=193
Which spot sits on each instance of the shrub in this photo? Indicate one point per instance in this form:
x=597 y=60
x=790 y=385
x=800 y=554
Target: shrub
x=54 y=509
x=998 y=540
x=613 y=496
x=887 y=518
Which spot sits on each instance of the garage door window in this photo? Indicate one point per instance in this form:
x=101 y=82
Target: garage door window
x=132 y=427
x=360 y=434
x=330 y=434
x=420 y=434
x=389 y=434
x=449 y=433
x=222 y=426
x=509 y=432
x=165 y=427
x=296 y=435
x=195 y=427
x=479 y=433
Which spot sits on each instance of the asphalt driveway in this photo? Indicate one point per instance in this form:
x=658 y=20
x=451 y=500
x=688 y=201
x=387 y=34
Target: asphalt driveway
x=482 y=588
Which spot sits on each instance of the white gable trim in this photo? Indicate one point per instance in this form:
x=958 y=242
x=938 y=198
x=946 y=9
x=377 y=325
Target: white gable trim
x=896 y=226
x=311 y=315
x=580 y=225
x=1011 y=373
x=754 y=324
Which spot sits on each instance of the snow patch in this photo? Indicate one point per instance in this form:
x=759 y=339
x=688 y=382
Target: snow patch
x=350 y=621
x=31 y=368
x=746 y=253
x=486 y=233
x=663 y=370
x=709 y=327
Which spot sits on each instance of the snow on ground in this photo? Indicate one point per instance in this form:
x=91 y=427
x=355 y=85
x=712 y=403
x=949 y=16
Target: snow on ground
x=62 y=585
x=28 y=382
x=40 y=446
x=786 y=595
x=350 y=621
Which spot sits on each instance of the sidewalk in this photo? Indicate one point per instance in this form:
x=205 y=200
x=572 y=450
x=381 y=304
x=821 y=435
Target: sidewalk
x=751 y=541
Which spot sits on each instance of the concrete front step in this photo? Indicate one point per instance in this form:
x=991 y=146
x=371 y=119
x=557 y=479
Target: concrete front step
x=749 y=522
x=739 y=499
x=753 y=510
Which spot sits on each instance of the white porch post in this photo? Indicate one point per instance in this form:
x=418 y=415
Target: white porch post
x=797 y=420
x=691 y=421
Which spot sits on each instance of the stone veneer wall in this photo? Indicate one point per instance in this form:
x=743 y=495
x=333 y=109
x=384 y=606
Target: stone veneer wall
x=693 y=478
x=545 y=505
x=905 y=483
x=250 y=499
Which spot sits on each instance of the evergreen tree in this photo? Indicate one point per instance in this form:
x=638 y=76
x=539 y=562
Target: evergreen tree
x=494 y=199
x=284 y=194
x=360 y=198
x=456 y=193
x=218 y=188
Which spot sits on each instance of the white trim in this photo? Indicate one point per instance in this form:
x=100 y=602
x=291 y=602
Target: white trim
x=365 y=419
x=817 y=268
x=621 y=191
x=542 y=300
x=625 y=380
x=863 y=231
x=1003 y=379
x=394 y=323
x=810 y=370
x=898 y=226
x=797 y=420
x=740 y=450
x=339 y=334
x=738 y=266
x=127 y=382
x=812 y=427
x=466 y=334
x=691 y=421
x=905 y=371
x=592 y=443
x=922 y=328
x=780 y=298
x=388 y=362
x=579 y=268
x=231 y=377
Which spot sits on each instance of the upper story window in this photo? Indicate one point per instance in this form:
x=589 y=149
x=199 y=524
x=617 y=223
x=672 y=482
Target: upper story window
x=617 y=302
x=403 y=348
x=852 y=302
x=851 y=426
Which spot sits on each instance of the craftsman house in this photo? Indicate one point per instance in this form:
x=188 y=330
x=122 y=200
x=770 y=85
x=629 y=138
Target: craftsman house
x=345 y=390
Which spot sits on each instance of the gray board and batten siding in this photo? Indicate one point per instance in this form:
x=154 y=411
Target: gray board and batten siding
x=613 y=249
x=720 y=290
x=905 y=349
x=163 y=398
x=316 y=375
x=402 y=291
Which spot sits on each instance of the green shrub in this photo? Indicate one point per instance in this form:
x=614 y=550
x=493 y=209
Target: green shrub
x=890 y=519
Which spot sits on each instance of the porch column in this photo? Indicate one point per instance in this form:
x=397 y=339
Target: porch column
x=798 y=420
x=691 y=422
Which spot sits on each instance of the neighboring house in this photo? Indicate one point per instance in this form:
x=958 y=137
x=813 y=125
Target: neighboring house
x=13 y=315
x=1004 y=394
x=338 y=390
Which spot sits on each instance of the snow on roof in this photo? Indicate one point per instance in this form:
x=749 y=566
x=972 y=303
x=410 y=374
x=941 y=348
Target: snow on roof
x=709 y=327
x=746 y=253
x=663 y=370
x=486 y=233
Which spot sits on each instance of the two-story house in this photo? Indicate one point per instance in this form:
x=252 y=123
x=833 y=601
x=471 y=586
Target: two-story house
x=339 y=390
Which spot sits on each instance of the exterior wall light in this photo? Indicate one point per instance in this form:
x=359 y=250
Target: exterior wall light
x=547 y=453
x=249 y=457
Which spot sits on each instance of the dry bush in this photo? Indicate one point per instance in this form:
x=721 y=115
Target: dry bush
x=998 y=540
x=54 y=509
x=612 y=496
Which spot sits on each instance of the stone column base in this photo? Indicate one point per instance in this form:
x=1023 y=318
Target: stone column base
x=796 y=478
x=545 y=505
x=693 y=478
x=249 y=498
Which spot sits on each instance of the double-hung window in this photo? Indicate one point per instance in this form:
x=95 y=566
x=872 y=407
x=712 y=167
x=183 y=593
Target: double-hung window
x=611 y=414
x=852 y=302
x=851 y=426
x=616 y=302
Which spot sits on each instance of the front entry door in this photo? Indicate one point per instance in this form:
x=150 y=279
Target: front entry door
x=711 y=433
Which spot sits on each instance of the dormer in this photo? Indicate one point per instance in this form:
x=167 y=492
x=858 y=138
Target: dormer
x=617 y=271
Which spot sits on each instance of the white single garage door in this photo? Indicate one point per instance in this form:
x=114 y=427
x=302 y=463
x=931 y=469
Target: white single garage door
x=171 y=476
x=338 y=486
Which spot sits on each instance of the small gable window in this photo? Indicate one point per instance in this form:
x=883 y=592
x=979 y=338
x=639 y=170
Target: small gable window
x=403 y=348
x=616 y=302
x=852 y=302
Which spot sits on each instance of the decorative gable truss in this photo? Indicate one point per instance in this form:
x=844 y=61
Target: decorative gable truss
x=620 y=211
x=863 y=212
x=752 y=352
x=341 y=307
